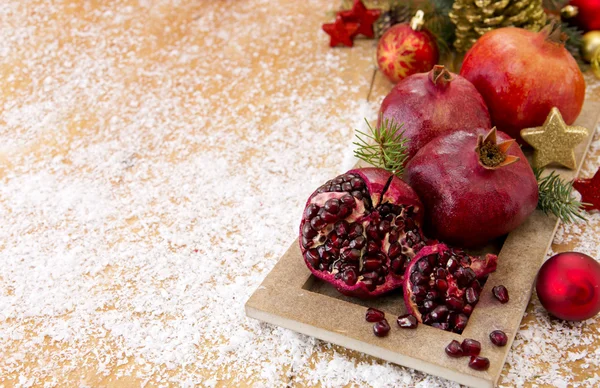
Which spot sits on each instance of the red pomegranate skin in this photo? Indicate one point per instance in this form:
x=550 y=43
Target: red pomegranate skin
x=521 y=76
x=568 y=286
x=467 y=205
x=429 y=105
x=588 y=17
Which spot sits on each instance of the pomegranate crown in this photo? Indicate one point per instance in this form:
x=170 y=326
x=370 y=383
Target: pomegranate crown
x=552 y=32
x=492 y=155
x=440 y=76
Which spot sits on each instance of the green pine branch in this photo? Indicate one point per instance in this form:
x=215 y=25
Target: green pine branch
x=555 y=197
x=384 y=146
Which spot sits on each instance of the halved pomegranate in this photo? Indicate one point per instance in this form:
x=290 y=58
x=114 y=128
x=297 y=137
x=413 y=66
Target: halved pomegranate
x=360 y=230
x=442 y=285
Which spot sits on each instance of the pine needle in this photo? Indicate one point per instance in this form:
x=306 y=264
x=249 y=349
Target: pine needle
x=555 y=197
x=384 y=146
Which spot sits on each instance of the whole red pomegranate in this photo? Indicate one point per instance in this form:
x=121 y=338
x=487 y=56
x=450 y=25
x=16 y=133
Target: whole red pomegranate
x=474 y=189
x=568 y=285
x=442 y=286
x=360 y=230
x=522 y=75
x=433 y=104
x=588 y=15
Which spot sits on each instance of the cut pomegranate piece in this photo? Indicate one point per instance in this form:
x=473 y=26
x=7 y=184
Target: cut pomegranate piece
x=407 y=321
x=501 y=293
x=381 y=328
x=471 y=347
x=498 y=338
x=479 y=363
x=374 y=315
x=454 y=350
x=360 y=230
x=441 y=285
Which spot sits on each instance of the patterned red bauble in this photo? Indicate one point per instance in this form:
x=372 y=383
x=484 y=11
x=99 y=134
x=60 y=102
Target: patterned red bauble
x=588 y=15
x=568 y=286
x=406 y=49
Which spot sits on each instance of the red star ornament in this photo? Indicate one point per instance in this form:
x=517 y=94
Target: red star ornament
x=589 y=190
x=341 y=32
x=363 y=16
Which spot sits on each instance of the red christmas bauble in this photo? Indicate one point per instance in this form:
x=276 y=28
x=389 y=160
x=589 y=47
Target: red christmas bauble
x=588 y=16
x=568 y=286
x=403 y=51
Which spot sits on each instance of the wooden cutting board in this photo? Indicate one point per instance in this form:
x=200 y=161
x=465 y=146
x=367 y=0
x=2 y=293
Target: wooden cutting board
x=292 y=298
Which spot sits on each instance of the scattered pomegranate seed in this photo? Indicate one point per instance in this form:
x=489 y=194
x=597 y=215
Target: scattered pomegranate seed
x=454 y=350
x=479 y=363
x=470 y=347
x=501 y=293
x=381 y=328
x=407 y=321
x=498 y=338
x=374 y=315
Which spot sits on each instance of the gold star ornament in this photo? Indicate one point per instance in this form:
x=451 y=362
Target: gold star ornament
x=555 y=141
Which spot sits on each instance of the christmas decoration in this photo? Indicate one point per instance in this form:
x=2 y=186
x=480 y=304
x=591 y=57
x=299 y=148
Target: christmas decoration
x=596 y=63
x=473 y=18
x=406 y=49
x=383 y=24
x=588 y=14
x=341 y=32
x=363 y=16
x=590 y=44
x=522 y=96
x=590 y=191
x=556 y=197
x=568 y=286
x=554 y=141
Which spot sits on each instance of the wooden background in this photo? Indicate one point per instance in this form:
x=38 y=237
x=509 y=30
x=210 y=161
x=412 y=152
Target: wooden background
x=80 y=74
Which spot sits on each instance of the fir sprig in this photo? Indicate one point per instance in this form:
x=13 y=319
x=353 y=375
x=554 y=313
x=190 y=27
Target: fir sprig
x=555 y=197
x=384 y=146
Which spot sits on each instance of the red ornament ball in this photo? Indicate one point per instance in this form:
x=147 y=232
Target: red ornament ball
x=568 y=286
x=588 y=17
x=405 y=50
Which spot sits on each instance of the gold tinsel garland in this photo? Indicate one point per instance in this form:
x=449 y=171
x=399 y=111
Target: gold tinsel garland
x=473 y=18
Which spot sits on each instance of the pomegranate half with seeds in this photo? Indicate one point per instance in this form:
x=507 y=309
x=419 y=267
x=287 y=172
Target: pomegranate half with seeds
x=442 y=286
x=360 y=230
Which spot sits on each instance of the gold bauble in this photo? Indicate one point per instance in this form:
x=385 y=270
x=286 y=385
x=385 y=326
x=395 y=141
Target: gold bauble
x=596 y=63
x=589 y=45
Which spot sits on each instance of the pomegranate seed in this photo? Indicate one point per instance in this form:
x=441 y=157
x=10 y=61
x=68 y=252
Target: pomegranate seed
x=479 y=363
x=498 y=338
x=429 y=305
x=439 y=313
x=471 y=295
x=471 y=347
x=441 y=284
x=468 y=310
x=460 y=322
x=454 y=350
x=455 y=303
x=443 y=325
x=407 y=321
x=374 y=315
x=381 y=328
x=501 y=293
x=349 y=277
